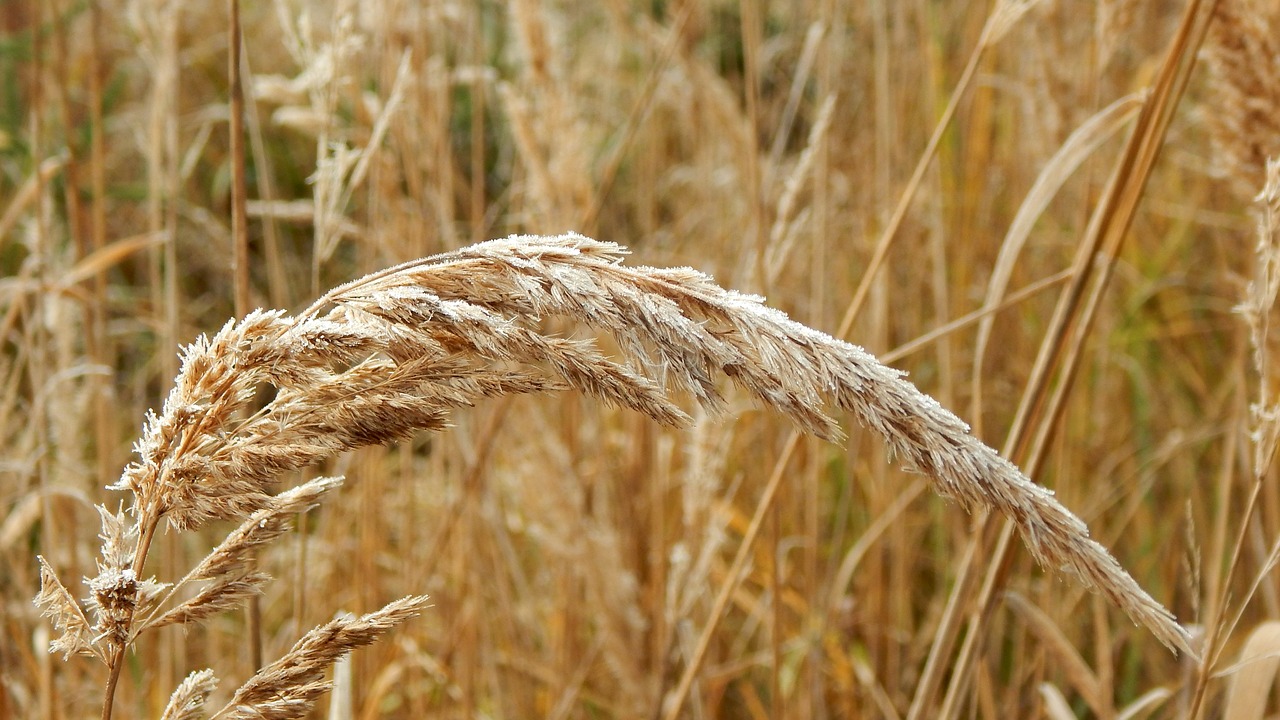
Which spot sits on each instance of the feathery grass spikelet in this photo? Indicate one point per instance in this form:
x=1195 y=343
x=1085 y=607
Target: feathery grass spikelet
x=1243 y=53
x=75 y=635
x=392 y=353
x=288 y=687
x=188 y=699
x=388 y=354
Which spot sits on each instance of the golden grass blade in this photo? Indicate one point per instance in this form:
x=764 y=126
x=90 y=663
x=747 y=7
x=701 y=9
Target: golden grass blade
x=867 y=678
x=968 y=319
x=637 y=116
x=106 y=257
x=24 y=515
x=1071 y=323
x=1078 y=147
x=1145 y=704
x=28 y=193
x=1254 y=674
x=1081 y=677
x=342 y=699
x=1003 y=17
x=1258 y=305
x=1055 y=704
x=239 y=182
x=849 y=563
x=782 y=235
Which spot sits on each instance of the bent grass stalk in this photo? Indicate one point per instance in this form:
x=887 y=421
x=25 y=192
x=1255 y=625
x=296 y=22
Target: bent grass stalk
x=378 y=359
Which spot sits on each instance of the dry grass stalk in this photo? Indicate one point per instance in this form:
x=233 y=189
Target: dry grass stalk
x=376 y=359
x=123 y=607
x=392 y=353
x=1253 y=676
x=1060 y=351
x=1257 y=308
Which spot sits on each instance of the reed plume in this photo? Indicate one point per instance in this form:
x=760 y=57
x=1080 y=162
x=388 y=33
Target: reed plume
x=1243 y=53
x=380 y=358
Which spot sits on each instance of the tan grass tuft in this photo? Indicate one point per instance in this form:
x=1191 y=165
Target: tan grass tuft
x=1243 y=53
x=57 y=604
x=288 y=687
x=1254 y=674
x=382 y=357
x=188 y=699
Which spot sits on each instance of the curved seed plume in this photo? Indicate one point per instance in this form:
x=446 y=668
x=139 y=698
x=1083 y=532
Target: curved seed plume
x=391 y=353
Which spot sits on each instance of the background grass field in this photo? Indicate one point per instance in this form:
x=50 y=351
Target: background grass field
x=573 y=551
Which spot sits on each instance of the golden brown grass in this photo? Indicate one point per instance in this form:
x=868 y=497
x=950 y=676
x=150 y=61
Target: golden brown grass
x=392 y=353
x=930 y=181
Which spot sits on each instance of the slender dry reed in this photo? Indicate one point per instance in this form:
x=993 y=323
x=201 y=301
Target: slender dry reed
x=392 y=353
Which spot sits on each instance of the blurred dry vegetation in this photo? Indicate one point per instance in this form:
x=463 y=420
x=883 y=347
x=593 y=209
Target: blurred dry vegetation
x=572 y=551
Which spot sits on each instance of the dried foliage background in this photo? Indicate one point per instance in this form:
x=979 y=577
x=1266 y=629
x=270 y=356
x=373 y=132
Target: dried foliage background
x=573 y=551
